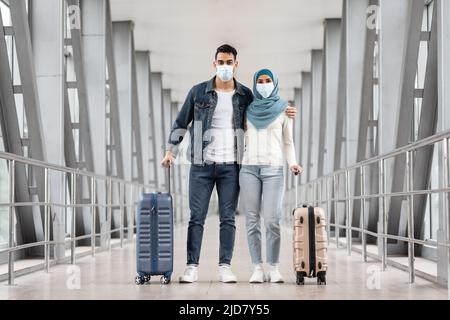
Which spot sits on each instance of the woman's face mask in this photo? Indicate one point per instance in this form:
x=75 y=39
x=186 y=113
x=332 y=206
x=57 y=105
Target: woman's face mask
x=265 y=89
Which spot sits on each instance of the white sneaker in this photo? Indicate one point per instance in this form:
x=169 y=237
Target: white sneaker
x=275 y=275
x=190 y=275
x=226 y=275
x=258 y=275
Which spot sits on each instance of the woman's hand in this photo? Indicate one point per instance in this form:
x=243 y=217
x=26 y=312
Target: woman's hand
x=291 y=112
x=296 y=169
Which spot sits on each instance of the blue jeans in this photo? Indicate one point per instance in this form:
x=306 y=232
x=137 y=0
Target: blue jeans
x=201 y=183
x=264 y=187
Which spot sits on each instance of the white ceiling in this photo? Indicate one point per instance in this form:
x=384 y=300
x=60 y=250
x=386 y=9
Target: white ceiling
x=182 y=36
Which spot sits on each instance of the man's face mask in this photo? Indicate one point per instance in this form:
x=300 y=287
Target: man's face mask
x=225 y=72
x=265 y=89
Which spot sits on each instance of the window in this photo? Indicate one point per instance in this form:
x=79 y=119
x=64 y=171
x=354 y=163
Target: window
x=4 y=198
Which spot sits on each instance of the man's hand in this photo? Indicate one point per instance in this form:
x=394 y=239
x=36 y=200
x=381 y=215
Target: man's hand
x=168 y=160
x=291 y=112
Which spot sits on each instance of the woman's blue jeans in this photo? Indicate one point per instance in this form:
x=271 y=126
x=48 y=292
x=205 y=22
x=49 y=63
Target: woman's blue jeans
x=262 y=189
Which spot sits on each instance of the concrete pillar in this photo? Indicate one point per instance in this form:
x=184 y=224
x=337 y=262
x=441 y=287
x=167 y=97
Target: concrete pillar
x=443 y=234
x=48 y=50
x=314 y=116
x=393 y=16
x=122 y=33
x=355 y=44
x=144 y=91
x=331 y=57
x=305 y=120
x=94 y=58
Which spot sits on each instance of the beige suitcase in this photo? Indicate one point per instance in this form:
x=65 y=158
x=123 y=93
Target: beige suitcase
x=310 y=244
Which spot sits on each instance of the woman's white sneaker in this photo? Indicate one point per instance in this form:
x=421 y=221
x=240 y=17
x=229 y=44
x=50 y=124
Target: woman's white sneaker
x=258 y=275
x=226 y=275
x=190 y=275
x=275 y=275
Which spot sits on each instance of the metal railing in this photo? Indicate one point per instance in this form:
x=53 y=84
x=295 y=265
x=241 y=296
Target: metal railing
x=313 y=194
x=126 y=204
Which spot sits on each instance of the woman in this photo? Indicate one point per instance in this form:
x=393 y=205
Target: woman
x=268 y=142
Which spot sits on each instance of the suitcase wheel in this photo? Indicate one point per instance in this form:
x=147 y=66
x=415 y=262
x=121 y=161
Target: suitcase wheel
x=165 y=280
x=322 y=278
x=139 y=280
x=300 y=278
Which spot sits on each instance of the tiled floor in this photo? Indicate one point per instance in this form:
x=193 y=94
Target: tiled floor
x=111 y=276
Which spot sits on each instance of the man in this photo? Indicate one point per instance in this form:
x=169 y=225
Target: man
x=217 y=109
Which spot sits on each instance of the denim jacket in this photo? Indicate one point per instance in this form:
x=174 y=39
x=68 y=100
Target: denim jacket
x=196 y=116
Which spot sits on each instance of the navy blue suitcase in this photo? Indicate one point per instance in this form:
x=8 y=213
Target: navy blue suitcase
x=154 y=237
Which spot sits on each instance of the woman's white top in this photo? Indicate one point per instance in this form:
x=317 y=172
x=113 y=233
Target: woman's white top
x=271 y=146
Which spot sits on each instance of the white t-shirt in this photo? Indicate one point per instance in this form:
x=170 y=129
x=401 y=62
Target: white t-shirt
x=222 y=148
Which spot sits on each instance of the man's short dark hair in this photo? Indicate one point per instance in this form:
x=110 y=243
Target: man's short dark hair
x=226 y=48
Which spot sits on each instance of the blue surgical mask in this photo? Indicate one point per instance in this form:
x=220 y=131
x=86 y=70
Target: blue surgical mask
x=265 y=89
x=225 y=73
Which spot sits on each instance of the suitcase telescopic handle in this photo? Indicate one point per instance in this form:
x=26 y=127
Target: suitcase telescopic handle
x=168 y=176
x=296 y=189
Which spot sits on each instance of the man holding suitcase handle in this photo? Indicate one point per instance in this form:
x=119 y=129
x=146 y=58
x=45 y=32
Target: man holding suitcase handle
x=216 y=109
x=154 y=237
